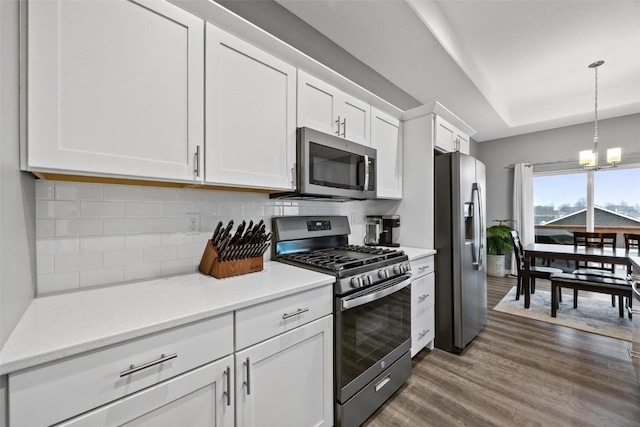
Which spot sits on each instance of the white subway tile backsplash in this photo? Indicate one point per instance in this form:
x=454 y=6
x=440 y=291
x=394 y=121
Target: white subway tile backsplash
x=57 y=245
x=45 y=264
x=96 y=234
x=179 y=266
x=123 y=257
x=163 y=253
x=101 y=209
x=142 y=271
x=58 y=282
x=136 y=209
x=101 y=243
x=78 y=227
x=78 y=191
x=122 y=193
x=56 y=209
x=163 y=225
x=176 y=209
x=123 y=225
x=175 y=239
x=77 y=262
x=142 y=241
x=159 y=194
x=102 y=276
x=44 y=228
x=191 y=251
x=45 y=190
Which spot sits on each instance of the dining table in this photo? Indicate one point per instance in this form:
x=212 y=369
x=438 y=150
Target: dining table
x=550 y=251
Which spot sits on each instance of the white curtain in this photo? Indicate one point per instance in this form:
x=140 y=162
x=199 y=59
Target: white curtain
x=523 y=206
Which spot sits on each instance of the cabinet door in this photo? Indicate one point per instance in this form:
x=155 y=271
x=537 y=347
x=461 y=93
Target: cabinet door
x=386 y=139
x=287 y=380
x=114 y=88
x=463 y=143
x=250 y=119
x=355 y=117
x=422 y=331
x=317 y=104
x=445 y=136
x=200 y=398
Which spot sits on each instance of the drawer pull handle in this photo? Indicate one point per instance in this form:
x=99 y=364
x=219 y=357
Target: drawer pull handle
x=383 y=382
x=423 y=297
x=248 y=381
x=298 y=312
x=423 y=268
x=133 y=368
x=633 y=354
x=632 y=311
x=227 y=373
x=423 y=333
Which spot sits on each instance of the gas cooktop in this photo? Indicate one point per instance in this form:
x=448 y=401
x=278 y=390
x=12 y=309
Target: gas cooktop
x=343 y=258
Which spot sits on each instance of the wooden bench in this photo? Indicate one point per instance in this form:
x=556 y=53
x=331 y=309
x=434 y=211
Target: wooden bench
x=582 y=282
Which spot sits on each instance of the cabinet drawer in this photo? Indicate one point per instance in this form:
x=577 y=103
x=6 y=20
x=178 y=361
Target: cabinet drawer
x=65 y=388
x=422 y=266
x=262 y=321
x=422 y=294
x=422 y=330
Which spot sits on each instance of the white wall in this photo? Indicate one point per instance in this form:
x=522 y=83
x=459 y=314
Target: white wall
x=17 y=192
x=549 y=146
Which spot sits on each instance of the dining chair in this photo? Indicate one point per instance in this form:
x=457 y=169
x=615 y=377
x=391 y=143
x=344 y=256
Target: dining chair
x=535 y=272
x=594 y=240
x=631 y=242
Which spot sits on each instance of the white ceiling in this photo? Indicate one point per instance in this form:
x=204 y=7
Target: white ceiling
x=504 y=67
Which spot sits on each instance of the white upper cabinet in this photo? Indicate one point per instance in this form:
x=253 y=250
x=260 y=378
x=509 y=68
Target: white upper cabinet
x=386 y=138
x=114 y=88
x=449 y=138
x=327 y=109
x=250 y=117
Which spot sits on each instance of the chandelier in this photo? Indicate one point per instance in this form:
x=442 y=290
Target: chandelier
x=588 y=158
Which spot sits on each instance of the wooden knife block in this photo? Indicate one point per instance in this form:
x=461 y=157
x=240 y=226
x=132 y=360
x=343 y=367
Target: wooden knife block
x=210 y=264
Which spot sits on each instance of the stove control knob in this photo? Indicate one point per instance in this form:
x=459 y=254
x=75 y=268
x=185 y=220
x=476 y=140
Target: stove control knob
x=405 y=268
x=382 y=273
x=356 y=282
x=397 y=269
x=366 y=280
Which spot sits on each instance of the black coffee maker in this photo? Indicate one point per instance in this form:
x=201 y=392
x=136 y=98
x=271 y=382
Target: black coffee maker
x=379 y=230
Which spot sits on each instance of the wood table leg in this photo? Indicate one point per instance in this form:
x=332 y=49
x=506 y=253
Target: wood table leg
x=526 y=279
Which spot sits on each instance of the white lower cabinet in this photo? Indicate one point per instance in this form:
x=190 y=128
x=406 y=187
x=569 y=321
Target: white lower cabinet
x=422 y=304
x=200 y=398
x=287 y=380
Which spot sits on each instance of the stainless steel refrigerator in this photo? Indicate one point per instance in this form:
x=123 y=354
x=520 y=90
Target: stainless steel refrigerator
x=461 y=275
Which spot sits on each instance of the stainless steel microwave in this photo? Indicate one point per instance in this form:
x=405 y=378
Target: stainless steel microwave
x=330 y=167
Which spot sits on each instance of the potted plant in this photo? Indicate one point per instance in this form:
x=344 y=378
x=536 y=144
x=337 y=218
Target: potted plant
x=498 y=245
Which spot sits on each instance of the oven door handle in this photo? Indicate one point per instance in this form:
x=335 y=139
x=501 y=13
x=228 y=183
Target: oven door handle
x=365 y=299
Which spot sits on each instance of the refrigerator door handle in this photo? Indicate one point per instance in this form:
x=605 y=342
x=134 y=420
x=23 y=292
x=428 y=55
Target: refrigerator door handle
x=478 y=234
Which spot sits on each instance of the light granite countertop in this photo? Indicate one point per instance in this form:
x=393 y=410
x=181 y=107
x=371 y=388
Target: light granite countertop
x=63 y=325
x=415 y=253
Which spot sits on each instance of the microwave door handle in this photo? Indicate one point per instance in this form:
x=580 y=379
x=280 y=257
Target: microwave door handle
x=366 y=172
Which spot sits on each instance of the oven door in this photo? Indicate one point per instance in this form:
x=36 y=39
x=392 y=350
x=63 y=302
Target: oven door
x=335 y=167
x=373 y=330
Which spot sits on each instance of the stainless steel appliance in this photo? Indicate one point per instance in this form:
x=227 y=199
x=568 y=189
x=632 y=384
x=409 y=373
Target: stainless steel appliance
x=372 y=309
x=330 y=167
x=379 y=230
x=634 y=313
x=461 y=277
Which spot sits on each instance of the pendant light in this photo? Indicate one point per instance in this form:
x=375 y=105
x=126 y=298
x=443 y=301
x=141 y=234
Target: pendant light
x=589 y=159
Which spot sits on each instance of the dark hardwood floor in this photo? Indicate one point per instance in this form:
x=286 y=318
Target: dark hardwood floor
x=519 y=372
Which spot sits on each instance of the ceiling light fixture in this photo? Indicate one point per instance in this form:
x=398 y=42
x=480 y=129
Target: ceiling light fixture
x=589 y=159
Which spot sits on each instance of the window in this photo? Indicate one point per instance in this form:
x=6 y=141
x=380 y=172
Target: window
x=561 y=204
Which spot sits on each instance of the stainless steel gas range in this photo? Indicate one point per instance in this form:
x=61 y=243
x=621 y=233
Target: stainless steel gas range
x=372 y=309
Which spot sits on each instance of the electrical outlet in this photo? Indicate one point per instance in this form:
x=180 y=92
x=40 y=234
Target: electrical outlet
x=193 y=223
